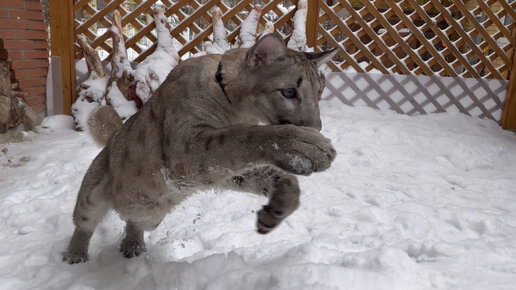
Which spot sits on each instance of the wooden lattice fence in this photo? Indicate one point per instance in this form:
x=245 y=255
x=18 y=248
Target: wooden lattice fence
x=469 y=38
x=452 y=38
x=192 y=18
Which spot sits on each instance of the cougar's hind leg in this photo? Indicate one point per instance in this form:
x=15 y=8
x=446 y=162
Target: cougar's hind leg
x=281 y=188
x=89 y=210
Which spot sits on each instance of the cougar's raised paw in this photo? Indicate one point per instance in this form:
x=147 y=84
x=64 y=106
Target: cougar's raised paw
x=308 y=156
x=75 y=257
x=268 y=219
x=298 y=164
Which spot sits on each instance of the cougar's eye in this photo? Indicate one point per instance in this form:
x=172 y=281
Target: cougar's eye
x=289 y=93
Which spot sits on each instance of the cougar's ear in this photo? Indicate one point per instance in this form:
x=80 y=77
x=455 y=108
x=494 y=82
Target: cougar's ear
x=267 y=49
x=320 y=58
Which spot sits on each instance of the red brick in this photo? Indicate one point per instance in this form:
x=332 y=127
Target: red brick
x=43 y=63
x=15 y=54
x=29 y=83
x=4 y=13
x=16 y=44
x=14 y=23
x=38 y=108
x=12 y=4
x=35 y=15
x=29 y=73
x=33 y=5
x=31 y=34
x=38 y=25
x=41 y=44
x=17 y=64
x=8 y=34
x=35 y=90
x=28 y=95
x=34 y=100
x=35 y=54
x=10 y=54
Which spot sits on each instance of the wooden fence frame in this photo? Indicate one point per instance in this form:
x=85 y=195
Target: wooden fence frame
x=509 y=109
x=62 y=45
x=63 y=38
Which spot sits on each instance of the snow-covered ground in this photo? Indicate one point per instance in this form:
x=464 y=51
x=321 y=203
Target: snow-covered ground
x=410 y=203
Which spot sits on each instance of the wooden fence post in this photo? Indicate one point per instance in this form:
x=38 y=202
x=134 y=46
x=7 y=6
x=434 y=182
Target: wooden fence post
x=509 y=108
x=62 y=45
x=312 y=19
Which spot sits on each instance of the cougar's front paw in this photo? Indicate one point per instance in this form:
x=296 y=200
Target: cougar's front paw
x=132 y=248
x=307 y=152
x=268 y=219
x=75 y=257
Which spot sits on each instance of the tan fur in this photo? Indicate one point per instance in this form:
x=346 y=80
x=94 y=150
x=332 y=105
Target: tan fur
x=193 y=134
x=102 y=123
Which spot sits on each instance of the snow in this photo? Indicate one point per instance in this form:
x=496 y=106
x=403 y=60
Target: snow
x=247 y=35
x=425 y=202
x=298 y=39
x=269 y=28
x=153 y=71
x=58 y=123
x=120 y=59
x=123 y=107
x=81 y=109
x=220 y=41
x=120 y=67
x=94 y=92
x=148 y=75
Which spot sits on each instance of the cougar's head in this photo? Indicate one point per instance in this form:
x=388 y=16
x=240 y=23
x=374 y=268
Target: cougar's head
x=285 y=84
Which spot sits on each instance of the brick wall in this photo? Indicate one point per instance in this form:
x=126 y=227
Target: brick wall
x=24 y=42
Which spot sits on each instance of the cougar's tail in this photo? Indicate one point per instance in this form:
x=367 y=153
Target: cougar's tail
x=103 y=122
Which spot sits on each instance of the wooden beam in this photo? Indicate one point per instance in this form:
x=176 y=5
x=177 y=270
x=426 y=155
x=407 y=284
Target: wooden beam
x=312 y=19
x=62 y=45
x=509 y=108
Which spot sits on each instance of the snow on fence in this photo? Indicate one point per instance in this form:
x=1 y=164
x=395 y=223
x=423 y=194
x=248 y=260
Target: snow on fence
x=448 y=38
x=192 y=21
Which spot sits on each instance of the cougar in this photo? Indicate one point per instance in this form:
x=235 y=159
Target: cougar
x=247 y=120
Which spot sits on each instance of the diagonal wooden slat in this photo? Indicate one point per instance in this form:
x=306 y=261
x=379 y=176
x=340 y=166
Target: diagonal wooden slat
x=445 y=38
x=399 y=40
x=79 y=4
x=401 y=67
x=97 y=16
x=480 y=29
x=427 y=45
x=353 y=39
x=346 y=56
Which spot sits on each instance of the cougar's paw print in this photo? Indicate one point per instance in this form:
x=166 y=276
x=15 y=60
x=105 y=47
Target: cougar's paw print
x=75 y=257
x=268 y=219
